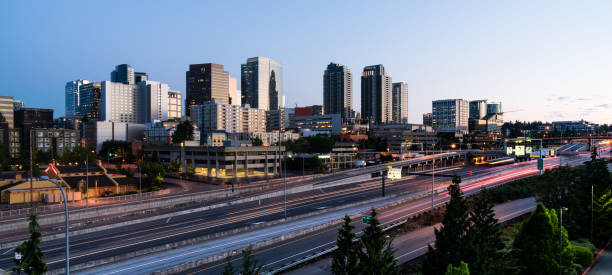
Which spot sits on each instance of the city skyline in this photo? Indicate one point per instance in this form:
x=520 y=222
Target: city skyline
x=543 y=65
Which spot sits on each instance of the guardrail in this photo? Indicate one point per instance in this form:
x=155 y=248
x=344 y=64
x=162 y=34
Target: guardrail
x=385 y=226
x=80 y=204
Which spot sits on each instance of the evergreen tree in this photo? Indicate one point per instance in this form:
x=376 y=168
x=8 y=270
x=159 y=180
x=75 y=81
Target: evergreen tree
x=345 y=258
x=377 y=255
x=229 y=267
x=250 y=265
x=567 y=251
x=462 y=269
x=451 y=238
x=31 y=261
x=537 y=244
x=483 y=236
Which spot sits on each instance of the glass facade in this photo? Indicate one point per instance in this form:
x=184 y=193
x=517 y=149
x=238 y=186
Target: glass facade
x=73 y=95
x=262 y=83
x=338 y=90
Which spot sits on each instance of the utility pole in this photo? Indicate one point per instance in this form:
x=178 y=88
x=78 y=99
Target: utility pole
x=591 y=211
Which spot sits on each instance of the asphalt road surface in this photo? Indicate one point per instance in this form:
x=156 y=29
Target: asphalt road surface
x=119 y=241
x=284 y=253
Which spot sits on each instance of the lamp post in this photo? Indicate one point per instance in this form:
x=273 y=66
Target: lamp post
x=433 y=171
x=87 y=181
x=140 y=179
x=284 y=177
x=66 y=222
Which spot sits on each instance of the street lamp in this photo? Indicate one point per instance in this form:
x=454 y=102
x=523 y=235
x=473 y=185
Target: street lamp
x=66 y=222
x=433 y=164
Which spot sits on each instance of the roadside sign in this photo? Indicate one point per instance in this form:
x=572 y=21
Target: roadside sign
x=540 y=164
x=470 y=172
x=366 y=219
x=394 y=173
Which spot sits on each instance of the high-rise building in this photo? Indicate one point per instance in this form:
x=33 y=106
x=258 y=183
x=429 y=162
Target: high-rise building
x=72 y=97
x=494 y=108
x=124 y=73
x=213 y=117
x=478 y=109
x=400 y=102
x=338 y=90
x=27 y=118
x=6 y=109
x=119 y=102
x=376 y=105
x=18 y=105
x=205 y=82
x=140 y=76
x=427 y=119
x=141 y=103
x=450 y=115
x=234 y=93
x=262 y=83
x=175 y=104
x=89 y=100
x=154 y=105
x=276 y=120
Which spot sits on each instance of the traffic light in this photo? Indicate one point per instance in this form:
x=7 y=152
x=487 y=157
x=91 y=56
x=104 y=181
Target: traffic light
x=470 y=172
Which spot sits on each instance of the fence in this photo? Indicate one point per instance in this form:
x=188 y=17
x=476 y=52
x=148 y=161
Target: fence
x=81 y=204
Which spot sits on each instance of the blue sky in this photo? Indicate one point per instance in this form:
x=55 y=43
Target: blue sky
x=545 y=60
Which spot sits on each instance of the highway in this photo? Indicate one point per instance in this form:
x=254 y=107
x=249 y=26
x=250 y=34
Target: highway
x=411 y=245
x=284 y=253
x=108 y=243
x=119 y=241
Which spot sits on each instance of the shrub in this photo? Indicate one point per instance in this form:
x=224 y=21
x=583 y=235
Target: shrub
x=583 y=256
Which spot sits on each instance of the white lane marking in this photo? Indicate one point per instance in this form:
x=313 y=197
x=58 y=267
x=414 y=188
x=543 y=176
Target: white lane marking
x=9 y=250
x=256 y=223
x=420 y=248
x=306 y=251
x=168 y=220
x=528 y=209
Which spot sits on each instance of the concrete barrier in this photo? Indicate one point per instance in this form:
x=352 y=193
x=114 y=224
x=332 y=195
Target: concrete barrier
x=157 y=203
x=200 y=239
x=163 y=216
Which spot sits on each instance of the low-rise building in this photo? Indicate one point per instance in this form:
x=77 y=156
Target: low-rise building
x=160 y=132
x=98 y=132
x=224 y=164
x=245 y=139
x=213 y=117
x=11 y=140
x=578 y=126
x=54 y=140
x=319 y=125
x=396 y=134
